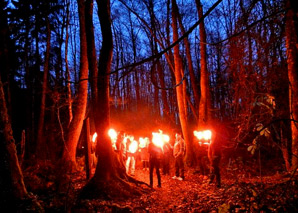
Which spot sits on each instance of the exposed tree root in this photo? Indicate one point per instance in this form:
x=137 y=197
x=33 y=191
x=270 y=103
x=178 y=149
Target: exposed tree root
x=115 y=188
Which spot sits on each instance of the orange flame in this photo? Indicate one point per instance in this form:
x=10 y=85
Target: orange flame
x=203 y=136
x=143 y=142
x=133 y=147
x=159 y=139
x=113 y=134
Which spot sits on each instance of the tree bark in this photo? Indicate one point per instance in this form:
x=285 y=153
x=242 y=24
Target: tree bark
x=205 y=102
x=292 y=59
x=110 y=178
x=80 y=103
x=179 y=89
x=67 y=74
x=91 y=50
x=104 y=169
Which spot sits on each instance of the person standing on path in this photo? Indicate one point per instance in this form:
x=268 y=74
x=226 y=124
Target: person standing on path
x=214 y=155
x=155 y=154
x=178 y=152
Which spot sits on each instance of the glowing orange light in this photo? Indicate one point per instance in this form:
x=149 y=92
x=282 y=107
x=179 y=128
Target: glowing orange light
x=204 y=136
x=199 y=135
x=143 y=142
x=166 y=138
x=113 y=134
x=159 y=139
x=133 y=147
x=94 y=136
x=126 y=137
x=207 y=134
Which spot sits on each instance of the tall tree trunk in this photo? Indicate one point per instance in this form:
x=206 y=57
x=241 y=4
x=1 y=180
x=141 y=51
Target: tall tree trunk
x=104 y=169
x=193 y=81
x=92 y=60
x=67 y=74
x=179 y=89
x=205 y=102
x=41 y=146
x=110 y=178
x=292 y=54
x=80 y=103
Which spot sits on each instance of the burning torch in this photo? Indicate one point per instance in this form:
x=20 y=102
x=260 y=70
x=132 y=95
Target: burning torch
x=113 y=135
x=133 y=146
x=143 y=142
x=203 y=136
x=159 y=139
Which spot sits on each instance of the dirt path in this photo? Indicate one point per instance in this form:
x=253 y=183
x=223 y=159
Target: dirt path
x=193 y=194
x=238 y=193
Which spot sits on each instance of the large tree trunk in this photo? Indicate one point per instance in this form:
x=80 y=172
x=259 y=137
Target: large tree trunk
x=205 y=102
x=292 y=54
x=179 y=89
x=80 y=103
x=104 y=150
x=91 y=50
x=110 y=178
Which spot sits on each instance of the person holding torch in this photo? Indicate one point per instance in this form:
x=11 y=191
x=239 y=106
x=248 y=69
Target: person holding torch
x=214 y=155
x=155 y=153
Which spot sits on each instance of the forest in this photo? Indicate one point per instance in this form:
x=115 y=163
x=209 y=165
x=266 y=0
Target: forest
x=147 y=69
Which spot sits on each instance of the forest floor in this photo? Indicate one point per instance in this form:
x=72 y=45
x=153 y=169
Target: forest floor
x=239 y=192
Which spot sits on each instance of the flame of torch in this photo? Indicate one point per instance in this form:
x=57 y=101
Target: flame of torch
x=113 y=134
x=94 y=136
x=207 y=135
x=133 y=147
x=143 y=142
x=203 y=136
x=159 y=139
x=199 y=135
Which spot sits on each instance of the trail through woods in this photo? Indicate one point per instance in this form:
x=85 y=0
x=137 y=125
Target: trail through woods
x=241 y=191
x=238 y=193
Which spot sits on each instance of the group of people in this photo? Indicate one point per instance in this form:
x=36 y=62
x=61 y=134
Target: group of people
x=155 y=157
